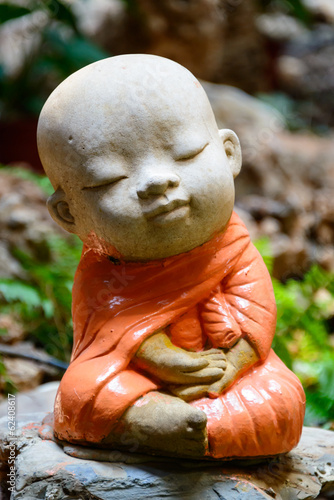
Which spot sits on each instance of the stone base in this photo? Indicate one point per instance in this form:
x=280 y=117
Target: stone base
x=45 y=471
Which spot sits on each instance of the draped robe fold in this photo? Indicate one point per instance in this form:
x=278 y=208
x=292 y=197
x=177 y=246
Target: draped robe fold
x=117 y=305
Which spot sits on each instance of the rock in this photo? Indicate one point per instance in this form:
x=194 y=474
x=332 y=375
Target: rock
x=291 y=69
x=291 y=257
x=324 y=8
x=304 y=70
x=166 y=28
x=269 y=226
x=43 y=470
x=93 y=15
x=217 y=41
x=288 y=167
x=260 y=207
x=279 y=27
x=25 y=374
x=40 y=399
x=11 y=329
x=18 y=40
x=325 y=257
x=235 y=109
x=9 y=267
x=249 y=221
x=244 y=61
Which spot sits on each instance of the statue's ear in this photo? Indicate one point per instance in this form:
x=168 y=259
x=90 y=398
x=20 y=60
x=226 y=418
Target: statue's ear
x=232 y=149
x=60 y=210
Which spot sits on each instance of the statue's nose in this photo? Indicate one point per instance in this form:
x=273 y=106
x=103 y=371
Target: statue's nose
x=157 y=184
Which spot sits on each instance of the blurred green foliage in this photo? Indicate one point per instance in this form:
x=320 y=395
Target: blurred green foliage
x=297 y=114
x=59 y=48
x=42 y=303
x=304 y=338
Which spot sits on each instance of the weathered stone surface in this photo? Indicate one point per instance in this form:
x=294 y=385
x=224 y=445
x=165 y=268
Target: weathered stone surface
x=45 y=471
x=133 y=240
x=41 y=399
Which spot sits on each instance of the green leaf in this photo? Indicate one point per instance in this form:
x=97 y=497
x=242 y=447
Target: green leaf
x=319 y=408
x=2 y=368
x=62 y=12
x=66 y=54
x=282 y=351
x=48 y=308
x=299 y=10
x=326 y=379
x=10 y=11
x=14 y=291
x=263 y=246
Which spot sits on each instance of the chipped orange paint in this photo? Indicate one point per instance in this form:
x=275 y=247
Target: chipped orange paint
x=116 y=307
x=30 y=427
x=45 y=429
x=59 y=467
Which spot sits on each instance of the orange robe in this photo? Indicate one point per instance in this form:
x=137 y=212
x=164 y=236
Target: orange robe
x=210 y=296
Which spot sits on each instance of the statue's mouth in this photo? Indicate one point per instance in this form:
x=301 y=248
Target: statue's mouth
x=165 y=208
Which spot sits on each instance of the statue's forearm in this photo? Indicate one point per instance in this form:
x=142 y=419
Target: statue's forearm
x=149 y=349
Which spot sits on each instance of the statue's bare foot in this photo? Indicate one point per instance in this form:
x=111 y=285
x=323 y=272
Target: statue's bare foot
x=161 y=424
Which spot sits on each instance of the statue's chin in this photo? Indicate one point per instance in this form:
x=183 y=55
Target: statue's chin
x=99 y=245
x=174 y=245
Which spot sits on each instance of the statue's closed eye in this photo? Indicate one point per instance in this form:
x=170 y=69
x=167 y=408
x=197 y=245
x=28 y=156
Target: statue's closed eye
x=191 y=154
x=105 y=183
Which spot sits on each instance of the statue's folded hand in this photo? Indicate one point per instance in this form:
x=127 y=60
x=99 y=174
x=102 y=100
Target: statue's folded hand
x=218 y=387
x=238 y=359
x=171 y=364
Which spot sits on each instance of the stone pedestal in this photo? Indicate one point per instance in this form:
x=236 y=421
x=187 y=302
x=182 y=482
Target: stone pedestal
x=44 y=470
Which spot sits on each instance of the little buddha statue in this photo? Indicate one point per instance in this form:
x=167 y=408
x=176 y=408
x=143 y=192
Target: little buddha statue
x=173 y=307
